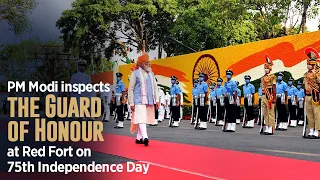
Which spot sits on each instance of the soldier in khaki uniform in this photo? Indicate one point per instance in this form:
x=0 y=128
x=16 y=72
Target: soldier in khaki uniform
x=311 y=83
x=268 y=84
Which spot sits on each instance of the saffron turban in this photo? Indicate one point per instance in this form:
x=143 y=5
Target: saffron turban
x=142 y=59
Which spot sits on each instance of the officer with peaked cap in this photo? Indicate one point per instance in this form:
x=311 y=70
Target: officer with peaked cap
x=312 y=89
x=203 y=98
x=81 y=78
x=282 y=95
x=120 y=92
x=230 y=103
x=213 y=103
x=268 y=85
x=292 y=103
x=220 y=93
x=238 y=109
x=194 y=101
x=175 y=101
x=248 y=92
x=300 y=97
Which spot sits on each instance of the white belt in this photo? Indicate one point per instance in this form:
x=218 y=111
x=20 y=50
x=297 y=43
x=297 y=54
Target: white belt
x=201 y=97
x=289 y=97
x=173 y=96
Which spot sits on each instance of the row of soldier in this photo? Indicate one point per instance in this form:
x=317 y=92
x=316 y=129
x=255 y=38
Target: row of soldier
x=221 y=105
x=219 y=100
x=224 y=101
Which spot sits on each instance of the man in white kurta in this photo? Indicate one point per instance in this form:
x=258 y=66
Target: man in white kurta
x=142 y=96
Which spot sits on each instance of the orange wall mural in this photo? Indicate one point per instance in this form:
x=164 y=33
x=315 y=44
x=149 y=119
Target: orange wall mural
x=287 y=54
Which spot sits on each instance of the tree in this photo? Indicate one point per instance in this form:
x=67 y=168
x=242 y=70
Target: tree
x=15 y=13
x=95 y=27
x=210 y=24
x=268 y=16
x=86 y=25
x=271 y=16
x=51 y=54
x=14 y=60
x=30 y=60
x=310 y=8
x=145 y=20
x=90 y=24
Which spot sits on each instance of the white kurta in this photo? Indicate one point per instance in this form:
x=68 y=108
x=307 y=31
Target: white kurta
x=142 y=114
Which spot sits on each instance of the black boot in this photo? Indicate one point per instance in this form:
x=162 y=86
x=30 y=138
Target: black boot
x=146 y=142
x=139 y=141
x=117 y=127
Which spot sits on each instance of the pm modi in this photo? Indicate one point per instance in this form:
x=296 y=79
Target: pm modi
x=142 y=96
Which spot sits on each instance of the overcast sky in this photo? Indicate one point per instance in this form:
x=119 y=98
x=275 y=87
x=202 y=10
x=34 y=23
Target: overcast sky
x=46 y=14
x=43 y=20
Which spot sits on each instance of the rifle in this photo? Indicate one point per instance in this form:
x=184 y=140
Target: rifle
x=224 y=119
x=197 y=119
x=191 y=119
x=170 y=117
x=244 y=117
x=209 y=112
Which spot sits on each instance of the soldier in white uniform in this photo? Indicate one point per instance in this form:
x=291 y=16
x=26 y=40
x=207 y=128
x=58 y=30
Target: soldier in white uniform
x=167 y=98
x=81 y=78
x=159 y=114
x=162 y=105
